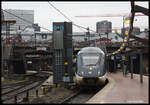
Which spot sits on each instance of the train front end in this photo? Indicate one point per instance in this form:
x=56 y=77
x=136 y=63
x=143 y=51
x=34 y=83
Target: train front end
x=90 y=69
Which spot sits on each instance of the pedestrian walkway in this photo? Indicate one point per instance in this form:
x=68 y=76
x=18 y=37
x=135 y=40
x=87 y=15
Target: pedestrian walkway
x=122 y=89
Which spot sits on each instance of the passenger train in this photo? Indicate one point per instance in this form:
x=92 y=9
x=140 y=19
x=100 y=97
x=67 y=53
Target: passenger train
x=90 y=68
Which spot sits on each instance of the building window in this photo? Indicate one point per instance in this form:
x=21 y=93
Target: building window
x=44 y=36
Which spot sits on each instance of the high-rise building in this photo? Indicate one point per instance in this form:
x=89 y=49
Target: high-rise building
x=103 y=27
x=20 y=24
x=2 y=15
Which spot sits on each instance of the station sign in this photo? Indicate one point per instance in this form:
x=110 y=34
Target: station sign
x=58 y=28
x=133 y=57
x=118 y=57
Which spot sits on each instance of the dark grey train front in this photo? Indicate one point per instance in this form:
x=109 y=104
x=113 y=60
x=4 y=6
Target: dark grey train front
x=90 y=66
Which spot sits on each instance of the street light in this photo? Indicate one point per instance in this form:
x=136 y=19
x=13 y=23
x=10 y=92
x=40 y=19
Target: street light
x=125 y=40
x=126 y=33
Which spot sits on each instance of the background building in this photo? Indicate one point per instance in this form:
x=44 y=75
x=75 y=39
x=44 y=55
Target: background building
x=136 y=30
x=36 y=27
x=20 y=24
x=103 y=27
x=2 y=18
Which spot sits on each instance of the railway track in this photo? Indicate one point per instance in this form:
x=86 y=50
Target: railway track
x=14 y=88
x=13 y=85
x=82 y=95
x=11 y=91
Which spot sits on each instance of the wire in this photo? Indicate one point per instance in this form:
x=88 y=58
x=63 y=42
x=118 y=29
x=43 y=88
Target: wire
x=65 y=16
x=24 y=19
x=68 y=18
x=59 y=11
x=130 y=29
x=78 y=27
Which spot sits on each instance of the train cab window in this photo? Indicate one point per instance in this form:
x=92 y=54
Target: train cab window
x=90 y=59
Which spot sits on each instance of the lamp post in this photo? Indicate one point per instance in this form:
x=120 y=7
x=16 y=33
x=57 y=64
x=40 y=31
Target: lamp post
x=2 y=59
x=100 y=35
x=107 y=36
x=35 y=39
x=88 y=34
x=123 y=31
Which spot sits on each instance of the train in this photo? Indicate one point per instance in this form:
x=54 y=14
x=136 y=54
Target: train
x=90 y=67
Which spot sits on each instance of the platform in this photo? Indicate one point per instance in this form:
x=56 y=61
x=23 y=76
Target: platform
x=122 y=89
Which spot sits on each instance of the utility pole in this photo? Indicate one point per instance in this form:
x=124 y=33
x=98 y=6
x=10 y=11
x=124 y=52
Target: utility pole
x=123 y=30
x=2 y=70
x=88 y=34
x=107 y=36
x=35 y=39
x=141 y=66
x=100 y=35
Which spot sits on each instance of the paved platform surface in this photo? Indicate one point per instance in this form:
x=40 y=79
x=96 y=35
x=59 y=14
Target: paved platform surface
x=123 y=90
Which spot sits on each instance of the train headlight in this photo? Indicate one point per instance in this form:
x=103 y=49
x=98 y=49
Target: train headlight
x=91 y=68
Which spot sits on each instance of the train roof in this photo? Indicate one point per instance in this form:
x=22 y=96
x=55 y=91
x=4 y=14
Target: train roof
x=91 y=50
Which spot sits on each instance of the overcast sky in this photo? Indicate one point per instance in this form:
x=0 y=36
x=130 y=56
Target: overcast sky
x=45 y=15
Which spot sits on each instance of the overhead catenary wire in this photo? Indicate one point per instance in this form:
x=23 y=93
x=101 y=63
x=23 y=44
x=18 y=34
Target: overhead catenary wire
x=65 y=16
x=25 y=20
x=130 y=28
x=68 y=18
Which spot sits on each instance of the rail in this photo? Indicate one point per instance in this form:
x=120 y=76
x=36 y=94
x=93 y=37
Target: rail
x=12 y=92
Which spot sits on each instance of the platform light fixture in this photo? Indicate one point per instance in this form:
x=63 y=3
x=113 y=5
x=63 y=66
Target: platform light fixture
x=125 y=40
x=123 y=44
x=126 y=33
x=121 y=47
x=127 y=20
x=66 y=63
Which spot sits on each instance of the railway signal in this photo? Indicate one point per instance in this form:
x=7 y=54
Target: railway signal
x=62 y=50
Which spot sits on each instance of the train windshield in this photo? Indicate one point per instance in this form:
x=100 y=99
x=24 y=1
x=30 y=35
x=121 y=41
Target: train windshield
x=90 y=59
